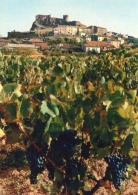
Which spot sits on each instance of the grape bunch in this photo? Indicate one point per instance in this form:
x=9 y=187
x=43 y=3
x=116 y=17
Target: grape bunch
x=117 y=168
x=67 y=143
x=62 y=150
x=36 y=162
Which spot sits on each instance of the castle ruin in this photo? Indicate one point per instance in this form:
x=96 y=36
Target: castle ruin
x=42 y=21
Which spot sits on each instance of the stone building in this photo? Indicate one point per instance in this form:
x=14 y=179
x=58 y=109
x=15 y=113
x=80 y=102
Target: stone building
x=98 y=30
x=114 y=42
x=65 y=30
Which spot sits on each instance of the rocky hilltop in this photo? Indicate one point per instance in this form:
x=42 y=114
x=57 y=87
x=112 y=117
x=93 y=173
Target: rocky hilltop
x=43 y=21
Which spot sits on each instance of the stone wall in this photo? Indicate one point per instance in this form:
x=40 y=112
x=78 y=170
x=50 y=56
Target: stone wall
x=20 y=35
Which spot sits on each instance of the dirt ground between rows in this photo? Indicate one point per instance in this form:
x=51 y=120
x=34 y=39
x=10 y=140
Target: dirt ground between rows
x=15 y=181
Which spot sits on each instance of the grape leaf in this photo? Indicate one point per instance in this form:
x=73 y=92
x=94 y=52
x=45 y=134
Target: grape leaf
x=44 y=109
x=57 y=70
x=11 y=109
x=128 y=144
x=25 y=106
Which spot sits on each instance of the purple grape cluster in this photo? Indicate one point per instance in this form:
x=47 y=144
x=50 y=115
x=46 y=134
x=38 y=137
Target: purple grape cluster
x=118 y=166
x=36 y=162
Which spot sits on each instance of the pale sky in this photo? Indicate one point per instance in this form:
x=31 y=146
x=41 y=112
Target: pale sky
x=116 y=15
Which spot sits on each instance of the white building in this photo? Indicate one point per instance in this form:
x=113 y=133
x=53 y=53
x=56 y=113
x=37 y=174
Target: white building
x=97 y=46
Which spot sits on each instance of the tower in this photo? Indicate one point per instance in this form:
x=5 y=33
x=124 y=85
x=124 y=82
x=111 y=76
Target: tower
x=65 y=18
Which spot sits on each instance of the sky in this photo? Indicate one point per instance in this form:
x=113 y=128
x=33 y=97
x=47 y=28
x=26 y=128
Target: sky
x=119 y=16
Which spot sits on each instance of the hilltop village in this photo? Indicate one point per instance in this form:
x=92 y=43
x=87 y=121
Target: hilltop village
x=49 y=33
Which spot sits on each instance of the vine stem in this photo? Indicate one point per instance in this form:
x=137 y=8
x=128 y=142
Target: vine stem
x=35 y=145
x=27 y=136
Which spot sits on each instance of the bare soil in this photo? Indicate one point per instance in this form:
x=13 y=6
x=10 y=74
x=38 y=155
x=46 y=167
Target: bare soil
x=16 y=182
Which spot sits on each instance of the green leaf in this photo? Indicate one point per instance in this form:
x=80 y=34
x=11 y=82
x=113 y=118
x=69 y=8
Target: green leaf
x=53 y=89
x=86 y=104
x=122 y=113
x=117 y=98
x=47 y=126
x=58 y=175
x=107 y=135
x=11 y=109
x=77 y=87
x=117 y=116
x=54 y=108
x=128 y=144
x=110 y=85
x=10 y=91
x=136 y=164
x=13 y=137
x=136 y=126
x=74 y=185
x=25 y=106
x=135 y=141
x=71 y=113
x=57 y=70
x=102 y=152
x=44 y=109
x=102 y=81
x=131 y=95
x=55 y=128
x=118 y=73
x=88 y=122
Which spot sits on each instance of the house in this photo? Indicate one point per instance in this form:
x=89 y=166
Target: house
x=109 y=33
x=88 y=38
x=98 y=30
x=97 y=46
x=100 y=37
x=84 y=31
x=116 y=43
x=121 y=40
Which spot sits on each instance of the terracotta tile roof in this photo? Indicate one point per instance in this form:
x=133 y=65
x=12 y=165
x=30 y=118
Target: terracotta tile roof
x=36 y=40
x=43 y=46
x=98 y=44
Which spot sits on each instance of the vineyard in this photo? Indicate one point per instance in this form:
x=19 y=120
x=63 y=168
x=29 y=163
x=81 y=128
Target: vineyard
x=66 y=113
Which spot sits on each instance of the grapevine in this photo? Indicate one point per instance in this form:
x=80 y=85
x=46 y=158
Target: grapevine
x=68 y=111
